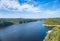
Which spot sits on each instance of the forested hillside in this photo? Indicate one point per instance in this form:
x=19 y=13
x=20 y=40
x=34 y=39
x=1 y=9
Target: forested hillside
x=52 y=21
x=10 y=21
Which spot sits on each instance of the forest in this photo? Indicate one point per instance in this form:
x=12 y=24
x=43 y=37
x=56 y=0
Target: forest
x=10 y=21
x=52 y=22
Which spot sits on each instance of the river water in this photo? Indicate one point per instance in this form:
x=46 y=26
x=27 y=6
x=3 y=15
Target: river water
x=33 y=31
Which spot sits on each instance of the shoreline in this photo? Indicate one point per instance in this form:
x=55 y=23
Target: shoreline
x=49 y=31
x=50 y=25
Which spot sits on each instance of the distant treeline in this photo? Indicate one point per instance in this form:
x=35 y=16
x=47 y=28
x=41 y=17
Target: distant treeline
x=52 y=21
x=9 y=21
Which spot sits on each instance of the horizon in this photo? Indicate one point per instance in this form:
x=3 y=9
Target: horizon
x=29 y=18
x=30 y=9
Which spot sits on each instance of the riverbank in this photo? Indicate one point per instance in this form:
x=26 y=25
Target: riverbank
x=53 y=35
x=49 y=31
x=50 y=25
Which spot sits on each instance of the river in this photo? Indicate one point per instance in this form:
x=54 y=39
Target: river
x=33 y=31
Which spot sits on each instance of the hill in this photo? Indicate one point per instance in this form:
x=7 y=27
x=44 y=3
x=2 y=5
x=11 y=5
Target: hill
x=54 y=35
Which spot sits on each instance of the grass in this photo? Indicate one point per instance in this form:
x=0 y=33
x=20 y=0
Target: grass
x=54 y=35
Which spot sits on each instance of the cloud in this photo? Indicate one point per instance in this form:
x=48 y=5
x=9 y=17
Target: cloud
x=13 y=9
x=51 y=12
x=6 y=4
x=17 y=15
x=13 y=5
x=43 y=14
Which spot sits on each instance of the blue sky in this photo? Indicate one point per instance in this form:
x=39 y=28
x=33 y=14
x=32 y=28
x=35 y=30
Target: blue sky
x=29 y=8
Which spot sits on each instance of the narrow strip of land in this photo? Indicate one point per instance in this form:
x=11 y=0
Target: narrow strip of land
x=50 y=25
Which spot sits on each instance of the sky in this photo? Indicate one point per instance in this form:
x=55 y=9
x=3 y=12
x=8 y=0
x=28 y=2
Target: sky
x=29 y=8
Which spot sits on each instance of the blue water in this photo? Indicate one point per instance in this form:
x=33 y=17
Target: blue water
x=33 y=31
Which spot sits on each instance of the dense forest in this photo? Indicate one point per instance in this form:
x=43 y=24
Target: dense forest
x=10 y=21
x=54 y=35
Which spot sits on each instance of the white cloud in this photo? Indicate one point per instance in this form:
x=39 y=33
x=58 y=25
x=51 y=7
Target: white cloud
x=17 y=15
x=50 y=12
x=14 y=5
x=44 y=14
x=35 y=12
x=5 y=4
